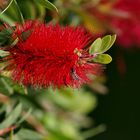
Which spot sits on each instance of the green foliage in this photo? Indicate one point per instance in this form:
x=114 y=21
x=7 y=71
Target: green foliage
x=30 y=12
x=103 y=59
x=11 y=1
x=5 y=18
x=8 y=87
x=15 y=6
x=12 y=117
x=26 y=134
x=71 y=99
x=95 y=46
x=56 y=114
x=33 y=8
x=13 y=11
x=47 y=4
x=100 y=46
x=5 y=36
x=12 y=121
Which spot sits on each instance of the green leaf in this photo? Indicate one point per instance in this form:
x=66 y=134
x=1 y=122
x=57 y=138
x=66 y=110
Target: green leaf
x=5 y=36
x=94 y=131
x=40 y=10
x=100 y=46
x=103 y=59
x=13 y=11
x=71 y=99
x=47 y=4
x=30 y=12
x=7 y=6
x=3 y=53
x=95 y=46
x=6 y=19
x=11 y=135
x=12 y=117
x=29 y=135
x=25 y=116
x=113 y=39
x=106 y=41
x=6 y=86
x=21 y=19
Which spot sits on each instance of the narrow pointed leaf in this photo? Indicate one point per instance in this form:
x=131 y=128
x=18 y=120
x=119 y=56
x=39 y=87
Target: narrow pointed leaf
x=47 y=4
x=5 y=36
x=103 y=59
x=7 y=6
x=13 y=11
x=25 y=116
x=30 y=12
x=6 y=19
x=27 y=134
x=12 y=117
x=3 y=53
x=21 y=19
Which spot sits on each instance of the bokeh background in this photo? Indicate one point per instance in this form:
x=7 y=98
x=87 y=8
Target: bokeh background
x=108 y=108
x=119 y=109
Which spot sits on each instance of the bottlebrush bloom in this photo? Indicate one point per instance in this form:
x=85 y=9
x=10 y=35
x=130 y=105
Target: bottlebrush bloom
x=127 y=28
x=129 y=6
x=128 y=32
x=51 y=55
x=121 y=17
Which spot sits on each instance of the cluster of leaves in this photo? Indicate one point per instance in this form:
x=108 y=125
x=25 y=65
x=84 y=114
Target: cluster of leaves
x=45 y=113
x=28 y=9
x=100 y=46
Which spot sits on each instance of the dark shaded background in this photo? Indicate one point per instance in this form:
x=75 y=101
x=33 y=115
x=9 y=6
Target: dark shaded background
x=120 y=109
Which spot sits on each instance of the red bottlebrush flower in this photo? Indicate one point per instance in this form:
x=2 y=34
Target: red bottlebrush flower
x=127 y=28
x=128 y=32
x=129 y=6
x=51 y=55
x=121 y=17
